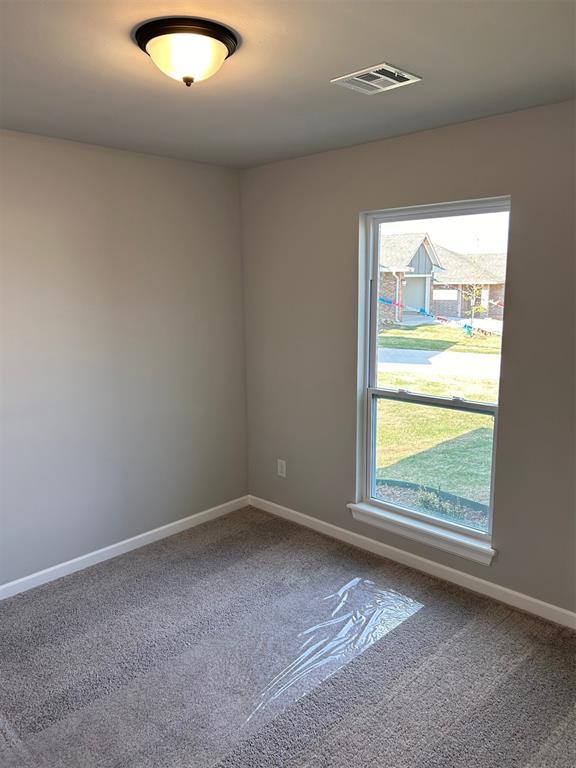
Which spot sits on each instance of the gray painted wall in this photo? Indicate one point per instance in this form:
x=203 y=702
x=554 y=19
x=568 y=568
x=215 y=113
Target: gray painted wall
x=300 y=222
x=123 y=402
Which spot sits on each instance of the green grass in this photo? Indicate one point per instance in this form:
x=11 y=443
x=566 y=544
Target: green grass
x=452 y=453
x=437 y=338
x=446 y=450
x=436 y=447
x=442 y=385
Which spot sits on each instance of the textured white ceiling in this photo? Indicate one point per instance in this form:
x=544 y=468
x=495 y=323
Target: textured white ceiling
x=70 y=69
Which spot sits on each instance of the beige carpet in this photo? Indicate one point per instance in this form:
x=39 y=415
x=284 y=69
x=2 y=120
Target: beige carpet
x=252 y=642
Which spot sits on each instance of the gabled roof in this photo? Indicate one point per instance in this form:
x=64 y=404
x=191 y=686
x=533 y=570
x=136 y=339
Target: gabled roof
x=397 y=251
x=479 y=268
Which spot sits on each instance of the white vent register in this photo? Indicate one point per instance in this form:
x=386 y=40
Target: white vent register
x=382 y=77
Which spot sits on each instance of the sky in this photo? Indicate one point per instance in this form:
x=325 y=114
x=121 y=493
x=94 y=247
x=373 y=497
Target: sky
x=476 y=233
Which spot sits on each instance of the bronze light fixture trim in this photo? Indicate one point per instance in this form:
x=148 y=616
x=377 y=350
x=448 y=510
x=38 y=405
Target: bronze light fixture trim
x=185 y=48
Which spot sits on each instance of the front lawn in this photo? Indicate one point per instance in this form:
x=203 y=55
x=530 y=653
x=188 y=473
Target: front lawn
x=430 y=459
x=423 y=447
x=450 y=450
x=441 y=385
x=437 y=338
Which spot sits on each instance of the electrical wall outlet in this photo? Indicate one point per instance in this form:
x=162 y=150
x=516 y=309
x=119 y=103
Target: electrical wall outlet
x=281 y=468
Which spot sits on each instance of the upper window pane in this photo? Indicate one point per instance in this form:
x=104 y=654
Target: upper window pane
x=440 y=305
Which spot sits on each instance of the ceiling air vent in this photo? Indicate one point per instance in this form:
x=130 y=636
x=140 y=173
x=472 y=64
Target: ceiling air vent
x=382 y=77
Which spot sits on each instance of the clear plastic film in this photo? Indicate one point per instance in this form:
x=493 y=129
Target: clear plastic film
x=357 y=615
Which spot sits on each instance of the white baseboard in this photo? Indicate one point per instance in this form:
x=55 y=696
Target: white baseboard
x=503 y=594
x=91 y=558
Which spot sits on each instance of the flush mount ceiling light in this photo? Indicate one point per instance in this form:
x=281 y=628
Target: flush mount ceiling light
x=186 y=49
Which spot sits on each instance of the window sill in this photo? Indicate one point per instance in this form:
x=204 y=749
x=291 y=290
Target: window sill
x=426 y=533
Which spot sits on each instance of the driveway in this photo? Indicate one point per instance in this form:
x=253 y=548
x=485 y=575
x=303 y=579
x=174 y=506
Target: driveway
x=465 y=364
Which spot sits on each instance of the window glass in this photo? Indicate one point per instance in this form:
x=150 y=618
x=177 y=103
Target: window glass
x=436 y=338
x=440 y=305
x=434 y=461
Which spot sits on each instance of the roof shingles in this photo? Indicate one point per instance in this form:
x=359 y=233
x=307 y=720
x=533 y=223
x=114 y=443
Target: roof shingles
x=396 y=252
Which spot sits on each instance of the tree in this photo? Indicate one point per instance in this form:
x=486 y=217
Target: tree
x=472 y=294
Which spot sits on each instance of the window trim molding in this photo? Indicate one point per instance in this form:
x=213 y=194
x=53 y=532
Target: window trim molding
x=446 y=525
x=499 y=204
x=458 y=539
x=424 y=532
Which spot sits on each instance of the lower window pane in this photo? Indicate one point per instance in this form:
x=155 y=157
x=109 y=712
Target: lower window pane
x=436 y=461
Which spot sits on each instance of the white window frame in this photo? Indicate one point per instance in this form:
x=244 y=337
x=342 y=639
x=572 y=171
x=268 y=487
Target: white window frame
x=449 y=536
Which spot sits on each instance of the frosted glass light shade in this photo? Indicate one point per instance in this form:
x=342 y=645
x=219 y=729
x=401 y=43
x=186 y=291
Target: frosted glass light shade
x=185 y=48
x=186 y=56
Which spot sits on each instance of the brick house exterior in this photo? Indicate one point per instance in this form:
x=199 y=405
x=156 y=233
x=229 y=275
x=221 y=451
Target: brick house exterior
x=428 y=278
x=389 y=287
x=496 y=305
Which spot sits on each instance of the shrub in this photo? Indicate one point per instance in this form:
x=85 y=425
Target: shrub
x=433 y=500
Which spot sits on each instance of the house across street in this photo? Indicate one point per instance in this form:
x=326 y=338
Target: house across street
x=423 y=275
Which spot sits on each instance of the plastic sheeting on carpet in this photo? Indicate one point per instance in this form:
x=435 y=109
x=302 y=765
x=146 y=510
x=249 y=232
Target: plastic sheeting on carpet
x=362 y=613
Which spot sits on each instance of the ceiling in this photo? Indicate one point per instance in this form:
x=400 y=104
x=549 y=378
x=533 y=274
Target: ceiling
x=70 y=69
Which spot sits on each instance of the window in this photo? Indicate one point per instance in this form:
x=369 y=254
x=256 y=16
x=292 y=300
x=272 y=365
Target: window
x=431 y=372
x=445 y=294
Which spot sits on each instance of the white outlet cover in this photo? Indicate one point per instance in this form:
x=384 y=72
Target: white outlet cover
x=281 y=468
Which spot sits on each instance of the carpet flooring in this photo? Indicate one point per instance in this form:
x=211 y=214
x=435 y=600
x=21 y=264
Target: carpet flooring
x=250 y=642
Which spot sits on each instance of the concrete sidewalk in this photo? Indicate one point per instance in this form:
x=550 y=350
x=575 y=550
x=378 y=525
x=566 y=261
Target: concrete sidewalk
x=465 y=364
